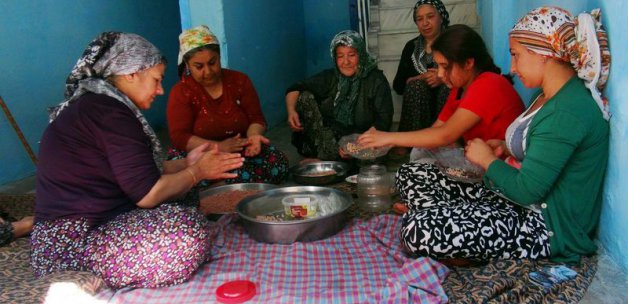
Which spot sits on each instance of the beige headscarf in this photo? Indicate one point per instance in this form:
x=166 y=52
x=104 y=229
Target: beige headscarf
x=582 y=41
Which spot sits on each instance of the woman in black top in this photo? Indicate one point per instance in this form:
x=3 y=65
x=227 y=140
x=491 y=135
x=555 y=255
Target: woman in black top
x=424 y=94
x=351 y=97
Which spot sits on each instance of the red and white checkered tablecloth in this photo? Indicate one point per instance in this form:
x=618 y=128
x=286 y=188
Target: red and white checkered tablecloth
x=363 y=263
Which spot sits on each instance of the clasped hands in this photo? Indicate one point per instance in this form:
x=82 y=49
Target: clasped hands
x=430 y=77
x=212 y=163
x=483 y=153
x=252 y=145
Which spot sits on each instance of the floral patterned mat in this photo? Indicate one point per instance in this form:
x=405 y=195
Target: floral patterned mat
x=495 y=282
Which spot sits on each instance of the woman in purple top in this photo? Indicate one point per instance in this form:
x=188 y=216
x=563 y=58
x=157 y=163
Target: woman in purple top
x=106 y=201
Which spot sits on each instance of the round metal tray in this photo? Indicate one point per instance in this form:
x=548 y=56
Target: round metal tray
x=288 y=232
x=305 y=174
x=232 y=187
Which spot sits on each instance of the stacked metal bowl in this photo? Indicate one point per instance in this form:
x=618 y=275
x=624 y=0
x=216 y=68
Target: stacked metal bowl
x=319 y=173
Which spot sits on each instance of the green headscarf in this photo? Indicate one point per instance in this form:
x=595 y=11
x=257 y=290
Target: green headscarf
x=348 y=87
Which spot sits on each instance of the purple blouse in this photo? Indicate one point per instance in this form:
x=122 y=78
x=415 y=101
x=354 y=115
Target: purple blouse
x=94 y=162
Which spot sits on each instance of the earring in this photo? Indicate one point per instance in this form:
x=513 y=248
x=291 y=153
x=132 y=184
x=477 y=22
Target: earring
x=187 y=71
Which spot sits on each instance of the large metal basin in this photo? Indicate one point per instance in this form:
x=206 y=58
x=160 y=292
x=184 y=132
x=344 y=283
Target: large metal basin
x=288 y=232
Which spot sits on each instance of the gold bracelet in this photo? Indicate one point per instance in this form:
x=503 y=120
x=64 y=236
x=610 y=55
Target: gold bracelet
x=193 y=176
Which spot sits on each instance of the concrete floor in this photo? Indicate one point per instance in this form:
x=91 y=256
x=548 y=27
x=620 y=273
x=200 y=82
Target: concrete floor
x=609 y=286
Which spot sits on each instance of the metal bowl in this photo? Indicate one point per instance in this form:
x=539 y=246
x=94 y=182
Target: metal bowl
x=233 y=187
x=290 y=231
x=313 y=173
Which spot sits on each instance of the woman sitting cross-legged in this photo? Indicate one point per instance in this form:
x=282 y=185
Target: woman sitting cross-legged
x=106 y=202
x=215 y=105
x=545 y=199
x=482 y=104
x=349 y=98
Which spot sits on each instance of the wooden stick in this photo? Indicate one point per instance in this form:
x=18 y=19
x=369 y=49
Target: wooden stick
x=18 y=131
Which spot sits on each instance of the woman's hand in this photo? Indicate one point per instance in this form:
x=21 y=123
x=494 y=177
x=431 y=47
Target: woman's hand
x=499 y=147
x=373 y=138
x=294 y=122
x=431 y=78
x=413 y=78
x=214 y=164
x=343 y=154
x=233 y=144
x=480 y=153
x=254 y=146
x=196 y=153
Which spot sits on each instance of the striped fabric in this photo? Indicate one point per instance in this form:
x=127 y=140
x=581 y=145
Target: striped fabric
x=364 y=263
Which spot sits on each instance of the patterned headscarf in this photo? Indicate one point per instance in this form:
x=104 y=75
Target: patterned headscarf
x=112 y=53
x=440 y=7
x=348 y=87
x=582 y=41
x=421 y=63
x=193 y=38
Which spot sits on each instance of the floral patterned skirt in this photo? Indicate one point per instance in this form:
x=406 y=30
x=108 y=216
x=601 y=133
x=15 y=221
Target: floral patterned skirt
x=143 y=248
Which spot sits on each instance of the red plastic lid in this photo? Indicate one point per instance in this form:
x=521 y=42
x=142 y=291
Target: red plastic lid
x=238 y=291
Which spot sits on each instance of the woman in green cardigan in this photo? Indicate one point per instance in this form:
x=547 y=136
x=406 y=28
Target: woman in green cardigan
x=544 y=198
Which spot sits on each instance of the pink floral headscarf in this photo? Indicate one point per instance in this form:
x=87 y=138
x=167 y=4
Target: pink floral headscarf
x=582 y=41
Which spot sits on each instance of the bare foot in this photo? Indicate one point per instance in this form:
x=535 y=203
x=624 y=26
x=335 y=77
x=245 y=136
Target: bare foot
x=23 y=226
x=400 y=208
x=308 y=161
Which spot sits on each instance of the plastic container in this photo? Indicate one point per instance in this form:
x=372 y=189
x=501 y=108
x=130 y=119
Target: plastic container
x=300 y=205
x=374 y=185
x=455 y=165
x=238 y=291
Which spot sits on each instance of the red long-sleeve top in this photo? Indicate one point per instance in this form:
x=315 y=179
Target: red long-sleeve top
x=192 y=111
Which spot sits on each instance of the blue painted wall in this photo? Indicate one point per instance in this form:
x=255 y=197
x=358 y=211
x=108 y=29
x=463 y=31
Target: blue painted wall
x=266 y=42
x=497 y=19
x=323 y=20
x=210 y=13
x=39 y=45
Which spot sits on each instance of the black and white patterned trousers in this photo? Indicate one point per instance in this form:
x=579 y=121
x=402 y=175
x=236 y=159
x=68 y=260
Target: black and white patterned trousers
x=452 y=219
